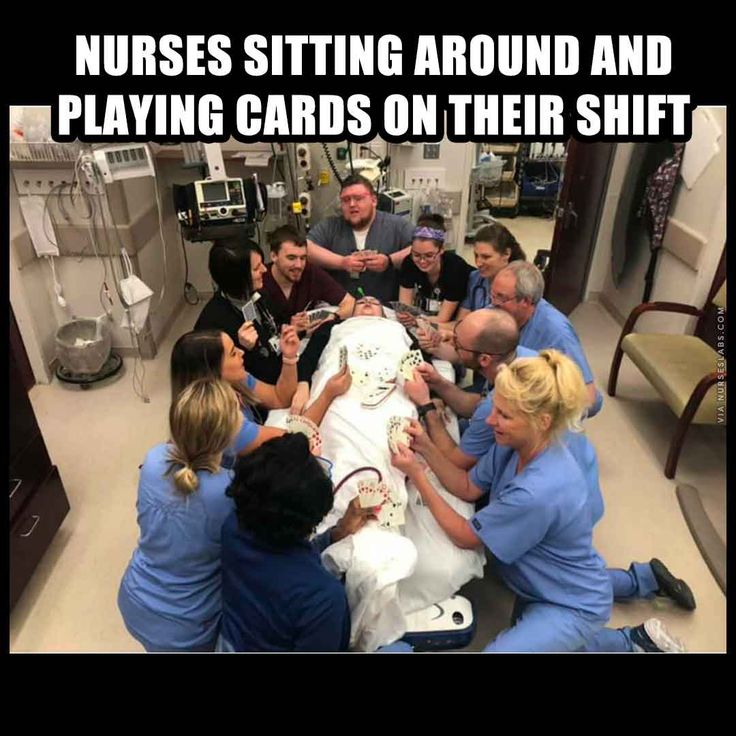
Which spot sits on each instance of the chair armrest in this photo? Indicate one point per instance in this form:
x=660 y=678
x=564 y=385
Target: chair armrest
x=636 y=312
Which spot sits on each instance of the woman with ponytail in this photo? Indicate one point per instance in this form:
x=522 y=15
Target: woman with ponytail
x=170 y=595
x=539 y=519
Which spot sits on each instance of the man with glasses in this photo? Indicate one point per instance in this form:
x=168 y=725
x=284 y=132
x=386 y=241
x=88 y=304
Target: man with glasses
x=485 y=340
x=363 y=248
x=518 y=289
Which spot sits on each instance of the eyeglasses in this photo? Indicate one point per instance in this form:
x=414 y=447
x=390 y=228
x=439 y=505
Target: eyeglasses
x=424 y=257
x=500 y=299
x=457 y=345
x=357 y=198
x=326 y=466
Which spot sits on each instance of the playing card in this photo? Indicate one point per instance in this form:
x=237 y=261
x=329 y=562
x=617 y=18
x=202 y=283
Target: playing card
x=296 y=423
x=426 y=326
x=391 y=514
x=343 y=357
x=397 y=434
x=317 y=315
x=249 y=311
x=406 y=308
x=377 y=395
x=413 y=359
x=366 y=351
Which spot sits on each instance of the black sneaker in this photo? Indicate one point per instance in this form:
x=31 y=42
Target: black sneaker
x=652 y=636
x=672 y=587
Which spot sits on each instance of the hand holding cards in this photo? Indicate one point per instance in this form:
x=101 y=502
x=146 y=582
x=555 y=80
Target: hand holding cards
x=250 y=313
x=413 y=359
x=372 y=494
x=297 y=424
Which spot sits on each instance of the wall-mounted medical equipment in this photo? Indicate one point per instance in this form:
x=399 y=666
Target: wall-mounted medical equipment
x=124 y=161
x=220 y=199
x=396 y=201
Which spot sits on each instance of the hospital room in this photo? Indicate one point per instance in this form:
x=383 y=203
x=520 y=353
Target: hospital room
x=367 y=396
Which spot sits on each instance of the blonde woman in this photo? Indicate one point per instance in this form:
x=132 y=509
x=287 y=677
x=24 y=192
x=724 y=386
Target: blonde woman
x=539 y=520
x=170 y=595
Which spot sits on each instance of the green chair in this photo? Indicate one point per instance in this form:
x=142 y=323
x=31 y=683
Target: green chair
x=684 y=369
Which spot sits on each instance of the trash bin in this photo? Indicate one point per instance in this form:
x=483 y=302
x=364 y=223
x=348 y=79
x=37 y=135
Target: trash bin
x=83 y=346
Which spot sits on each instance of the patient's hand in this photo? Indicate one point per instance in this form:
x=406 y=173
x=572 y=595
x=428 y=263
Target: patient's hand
x=289 y=342
x=301 y=396
x=339 y=383
x=354 y=519
x=406 y=461
x=416 y=389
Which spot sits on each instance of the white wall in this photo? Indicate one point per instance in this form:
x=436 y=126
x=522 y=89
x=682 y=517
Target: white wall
x=702 y=208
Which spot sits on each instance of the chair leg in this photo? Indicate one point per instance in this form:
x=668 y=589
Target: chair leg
x=615 y=367
x=683 y=423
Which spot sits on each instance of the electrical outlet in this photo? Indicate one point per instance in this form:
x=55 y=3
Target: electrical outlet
x=303 y=157
x=431 y=150
x=421 y=178
x=306 y=202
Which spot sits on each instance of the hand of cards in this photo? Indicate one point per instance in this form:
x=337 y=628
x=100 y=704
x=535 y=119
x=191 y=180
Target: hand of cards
x=406 y=309
x=372 y=494
x=297 y=424
x=413 y=359
x=397 y=434
x=317 y=315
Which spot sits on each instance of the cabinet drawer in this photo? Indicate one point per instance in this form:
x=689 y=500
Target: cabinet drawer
x=34 y=529
x=28 y=469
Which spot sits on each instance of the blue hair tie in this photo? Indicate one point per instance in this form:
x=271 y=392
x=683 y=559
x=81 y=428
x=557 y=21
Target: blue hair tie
x=429 y=233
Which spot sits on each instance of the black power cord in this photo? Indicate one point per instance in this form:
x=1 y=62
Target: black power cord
x=191 y=295
x=332 y=163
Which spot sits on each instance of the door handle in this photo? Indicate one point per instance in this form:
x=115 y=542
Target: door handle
x=570 y=212
x=18 y=483
x=35 y=524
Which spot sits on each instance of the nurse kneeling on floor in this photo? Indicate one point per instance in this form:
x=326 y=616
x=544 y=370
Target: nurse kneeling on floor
x=539 y=520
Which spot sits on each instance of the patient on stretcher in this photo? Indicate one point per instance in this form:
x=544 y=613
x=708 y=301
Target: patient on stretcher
x=403 y=561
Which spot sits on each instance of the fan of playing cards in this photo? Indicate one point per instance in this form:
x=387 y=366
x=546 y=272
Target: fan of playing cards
x=372 y=494
x=413 y=359
x=397 y=434
x=297 y=424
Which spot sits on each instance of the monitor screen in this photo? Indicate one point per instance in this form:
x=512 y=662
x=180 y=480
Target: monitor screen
x=214 y=191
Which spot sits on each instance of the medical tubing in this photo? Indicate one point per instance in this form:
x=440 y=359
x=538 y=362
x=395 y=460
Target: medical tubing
x=355 y=472
x=332 y=163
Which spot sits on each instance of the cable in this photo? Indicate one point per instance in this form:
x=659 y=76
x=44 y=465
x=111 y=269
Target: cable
x=350 y=158
x=189 y=288
x=332 y=163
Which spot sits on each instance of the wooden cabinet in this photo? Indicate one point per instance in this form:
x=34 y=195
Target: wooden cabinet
x=37 y=500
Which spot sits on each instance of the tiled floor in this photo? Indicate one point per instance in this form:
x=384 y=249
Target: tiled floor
x=98 y=438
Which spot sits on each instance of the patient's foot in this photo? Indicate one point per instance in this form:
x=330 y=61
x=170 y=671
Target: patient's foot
x=672 y=587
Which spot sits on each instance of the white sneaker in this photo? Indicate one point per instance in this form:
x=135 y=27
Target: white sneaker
x=661 y=638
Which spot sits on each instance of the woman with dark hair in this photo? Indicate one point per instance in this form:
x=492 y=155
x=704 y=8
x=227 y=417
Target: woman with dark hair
x=212 y=354
x=277 y=596
x=494 y=248
x=169 y=596
x=236 y=267
x=431 y=278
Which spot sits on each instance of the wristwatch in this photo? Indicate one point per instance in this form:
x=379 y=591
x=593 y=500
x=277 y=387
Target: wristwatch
x=425 y=409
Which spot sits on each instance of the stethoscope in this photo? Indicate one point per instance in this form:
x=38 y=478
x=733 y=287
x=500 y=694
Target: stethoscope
x=484 y=299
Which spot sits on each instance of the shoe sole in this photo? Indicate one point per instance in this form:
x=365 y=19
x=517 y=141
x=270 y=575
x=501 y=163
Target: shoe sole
x=662 y=638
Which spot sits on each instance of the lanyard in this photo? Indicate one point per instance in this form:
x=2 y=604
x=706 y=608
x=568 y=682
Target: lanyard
x=483 y=286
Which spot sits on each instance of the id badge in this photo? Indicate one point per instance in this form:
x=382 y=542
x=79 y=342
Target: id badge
x=275 y=344
x=433 y=306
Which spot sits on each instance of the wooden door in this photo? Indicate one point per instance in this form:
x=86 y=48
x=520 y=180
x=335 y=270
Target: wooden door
x=578 y=214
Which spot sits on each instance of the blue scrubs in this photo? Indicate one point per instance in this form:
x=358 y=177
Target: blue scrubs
x=549 y=328
x=170 y=595
x=477 y=296
x=542 y=506
x=248 y=430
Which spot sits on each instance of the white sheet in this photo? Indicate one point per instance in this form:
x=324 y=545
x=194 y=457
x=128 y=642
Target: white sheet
x=388 y=573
